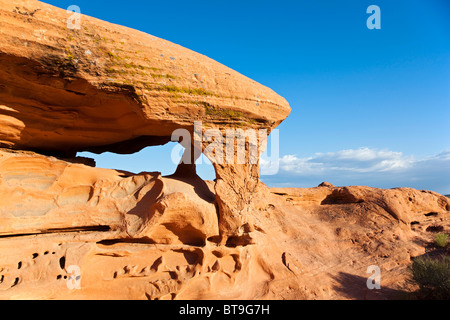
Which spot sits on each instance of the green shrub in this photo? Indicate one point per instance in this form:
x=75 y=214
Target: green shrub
x=433 y=277
x=441 y=240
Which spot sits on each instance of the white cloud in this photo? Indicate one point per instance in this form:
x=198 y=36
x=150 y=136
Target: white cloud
x=360 y=160
x=364 y=166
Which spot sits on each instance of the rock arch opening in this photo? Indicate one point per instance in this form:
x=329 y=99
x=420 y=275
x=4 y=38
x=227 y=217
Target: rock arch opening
x=164 y=159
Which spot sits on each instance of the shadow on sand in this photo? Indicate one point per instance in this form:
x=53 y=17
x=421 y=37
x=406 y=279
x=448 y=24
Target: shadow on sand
x=355 y=288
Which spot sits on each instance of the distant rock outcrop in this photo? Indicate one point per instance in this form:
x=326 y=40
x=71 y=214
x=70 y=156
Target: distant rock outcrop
x=326 y=184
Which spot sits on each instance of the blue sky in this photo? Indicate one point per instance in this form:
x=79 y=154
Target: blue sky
x=369 y=107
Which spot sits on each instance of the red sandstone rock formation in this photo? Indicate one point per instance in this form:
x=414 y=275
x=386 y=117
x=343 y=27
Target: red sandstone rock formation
x=105 y=87
x=118 y=235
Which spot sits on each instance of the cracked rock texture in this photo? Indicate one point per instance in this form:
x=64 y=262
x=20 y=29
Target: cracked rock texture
x=69 y=230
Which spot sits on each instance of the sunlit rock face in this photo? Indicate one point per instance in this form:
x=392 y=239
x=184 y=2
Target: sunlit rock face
x=101 y=87
x=106 y=87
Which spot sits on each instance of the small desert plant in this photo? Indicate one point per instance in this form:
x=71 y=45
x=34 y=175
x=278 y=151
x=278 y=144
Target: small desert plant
x=441 y=240
x=433 y=277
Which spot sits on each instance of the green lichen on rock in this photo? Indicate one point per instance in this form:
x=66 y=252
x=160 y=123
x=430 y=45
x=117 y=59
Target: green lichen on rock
x=195 y=91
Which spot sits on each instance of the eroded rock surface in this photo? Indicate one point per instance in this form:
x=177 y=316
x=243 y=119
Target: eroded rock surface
x=143 y=236
x=132 y=236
